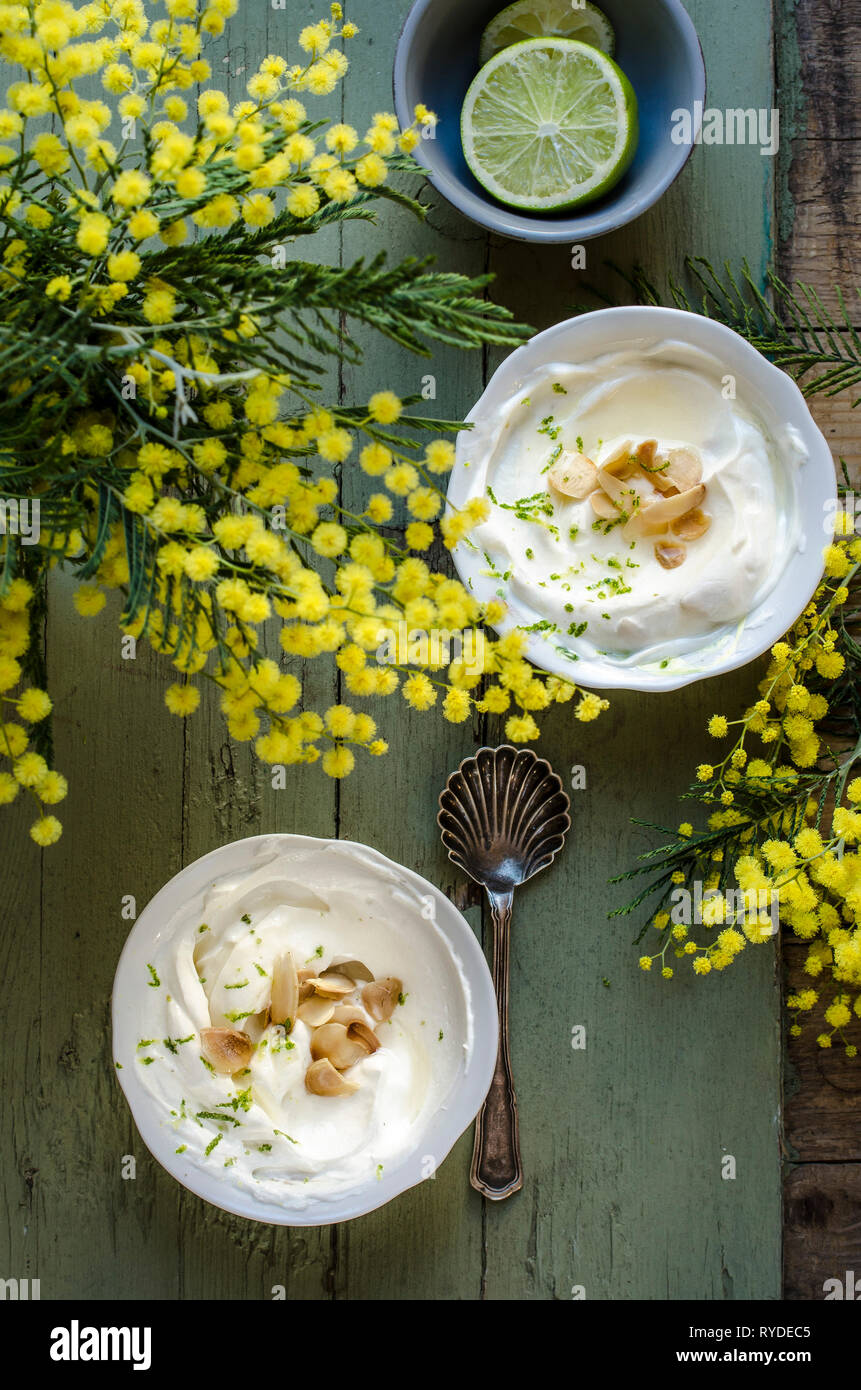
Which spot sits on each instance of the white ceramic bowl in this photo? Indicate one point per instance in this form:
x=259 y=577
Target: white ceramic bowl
x=457 y=946
x=769 y=392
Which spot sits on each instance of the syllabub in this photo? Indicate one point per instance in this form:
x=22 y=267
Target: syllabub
x=639 y=506
x=302 y=1023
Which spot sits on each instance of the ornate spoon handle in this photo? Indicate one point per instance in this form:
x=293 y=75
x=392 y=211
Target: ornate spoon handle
x=496 y=1172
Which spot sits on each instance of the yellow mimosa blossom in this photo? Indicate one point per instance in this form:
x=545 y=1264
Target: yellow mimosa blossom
x=209 y=482
x=182 y=699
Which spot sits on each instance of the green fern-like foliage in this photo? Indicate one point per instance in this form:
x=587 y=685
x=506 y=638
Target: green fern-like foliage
x=789 y=323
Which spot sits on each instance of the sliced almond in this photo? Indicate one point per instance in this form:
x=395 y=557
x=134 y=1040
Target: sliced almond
x=646 y=452
x=691 y=526
x=285 y=991
x=333 y=1041
x=640 y=525
x=347 y=1014
x=621 y=463
x=574 y=475
x=670 y=556
x=322 y=1079
x=684 y=469
x=306 y=989
x=381 y=998
x=316 y=1011
x=619 y=490
x=332 y=986
x=353 y=969
x=359 y=1032
x=654 y=468
x=657 y=515
x=603 y=507
x=227 y=1050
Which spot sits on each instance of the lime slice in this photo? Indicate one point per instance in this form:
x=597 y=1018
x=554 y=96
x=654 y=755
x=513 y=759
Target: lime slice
x=549 y=123
x=540 y=19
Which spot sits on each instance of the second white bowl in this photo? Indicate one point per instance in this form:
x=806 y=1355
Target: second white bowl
x=427 y=938
x=767 y=391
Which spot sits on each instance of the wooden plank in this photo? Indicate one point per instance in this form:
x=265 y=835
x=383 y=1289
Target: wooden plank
x=390 y=802
x=149 y=794
x=101 y=1236
x=820 y=77
x=838 y=421
x=819 y=66
x=823 y=1085
x=824 y=248
x=829 y=43
x=821 y=1231
x=698 y=216
x=20 y=967
x=228 y=794
x=645 y=1109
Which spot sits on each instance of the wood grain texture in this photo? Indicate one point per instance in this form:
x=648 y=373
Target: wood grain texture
x=20 y=962
x=839 y=422
x=824 y=174
x=819 y=68
x=821 y=1221
x=623 y=1143
x=391 y=802
x=823 y=1093
x=121 y=836
x=228 y=794
x=644 y=1110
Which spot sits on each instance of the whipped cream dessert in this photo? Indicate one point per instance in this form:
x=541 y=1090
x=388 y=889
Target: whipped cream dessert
x=301 y=1022
x=640 y=505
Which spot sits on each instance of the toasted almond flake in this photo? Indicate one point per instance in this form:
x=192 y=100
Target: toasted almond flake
x=669 y=556
x=353 y=969
x=621 y=463
x=656 y=515
x=322 y=1079
x=316 y=1011
x=334 y=1042
x=333 y=986
x=653 y=467
x=573 y=475
x=621 y=491
x=381 y=997
x=646 y=452
x=349 y=1013
x=684 y=469
x=603 y=507
x=285 y=991
x=359 y=1032
x=691 y=526
x=227 y=1050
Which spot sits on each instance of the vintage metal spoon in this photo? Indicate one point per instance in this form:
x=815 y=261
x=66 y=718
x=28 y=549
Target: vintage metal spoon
x=503 y=817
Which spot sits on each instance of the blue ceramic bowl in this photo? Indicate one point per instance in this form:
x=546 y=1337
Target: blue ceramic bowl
x=656 y=46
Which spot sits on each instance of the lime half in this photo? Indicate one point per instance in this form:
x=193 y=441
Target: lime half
x=549 y=123
x=541 y=19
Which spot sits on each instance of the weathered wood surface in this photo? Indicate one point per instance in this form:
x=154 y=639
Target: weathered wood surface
x=821 y=88
x=821 y=72
x=821 y=1220
x=823 y=1092
x=623 y=1143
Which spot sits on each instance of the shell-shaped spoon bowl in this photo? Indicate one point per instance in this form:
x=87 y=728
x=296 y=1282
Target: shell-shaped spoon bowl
x=503 y=816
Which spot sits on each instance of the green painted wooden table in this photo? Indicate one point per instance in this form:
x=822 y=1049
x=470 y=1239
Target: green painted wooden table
x=623 y=1141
